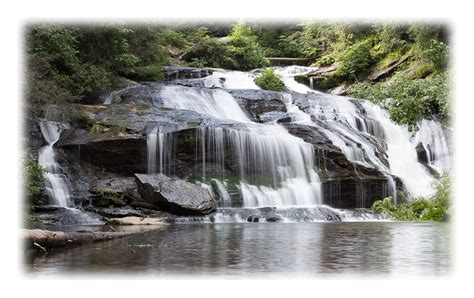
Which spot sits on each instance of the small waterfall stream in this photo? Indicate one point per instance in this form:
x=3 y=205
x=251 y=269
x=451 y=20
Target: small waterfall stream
x=57 y=184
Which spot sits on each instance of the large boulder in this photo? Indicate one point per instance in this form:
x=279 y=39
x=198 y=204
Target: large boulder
x=175 y=195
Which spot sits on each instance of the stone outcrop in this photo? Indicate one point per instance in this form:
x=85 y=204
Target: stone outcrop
x=175 y=195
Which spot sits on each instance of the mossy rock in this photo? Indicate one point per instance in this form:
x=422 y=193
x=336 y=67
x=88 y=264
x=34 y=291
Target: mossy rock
x=109 y=198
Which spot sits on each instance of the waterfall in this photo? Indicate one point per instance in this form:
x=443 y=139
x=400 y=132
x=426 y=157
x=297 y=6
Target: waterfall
x=231 y=80
x=259 y=150
x=151 y=145
x=401 y=153
x=288 y=73
x=214 y=103
x=311 y=83
x=55 y=181
x=433 y=139
x=275 y=168
x=159 y=149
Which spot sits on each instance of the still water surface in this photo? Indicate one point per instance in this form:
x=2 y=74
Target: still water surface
x=277 y=249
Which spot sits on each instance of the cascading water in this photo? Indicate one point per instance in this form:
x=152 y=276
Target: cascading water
x=231 y=80
x=260 y=150
x=158 y=151
x=56 y=182
x=288 y=73
x=433 y=139
x=352 y=126
x=275 y=168
x=402 y=155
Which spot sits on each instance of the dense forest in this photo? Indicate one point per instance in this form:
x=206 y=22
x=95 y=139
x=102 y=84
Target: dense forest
x=406 y=64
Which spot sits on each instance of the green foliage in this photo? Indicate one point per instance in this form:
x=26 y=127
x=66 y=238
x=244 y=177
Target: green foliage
x=34 y=181
x=437 y=54
x=71 y=63
x=325 y=61
x=77 y=117
x=148 y=73
x=239 y=51
x=269 y=80
x=110 y=198
x=120 y=128
x=411 y=100
x=98 y=128
x=436 y=209
x=67 y=64
x=356 y=59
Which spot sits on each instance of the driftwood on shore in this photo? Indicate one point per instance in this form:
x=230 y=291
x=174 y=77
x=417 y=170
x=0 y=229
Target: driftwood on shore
x=43 y=239
x=48 y=239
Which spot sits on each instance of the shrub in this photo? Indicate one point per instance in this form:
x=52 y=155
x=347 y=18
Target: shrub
x=34 y=182
x=437 y=54
x=110 y=198
x=356 y=59
x=325 y=61
x=150 y=73
x=76 y=116
x=91 y=80
x=98 y=128
x=269 y=80
x=436 y=209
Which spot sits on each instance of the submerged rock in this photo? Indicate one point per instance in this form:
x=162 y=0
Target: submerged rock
x=175 y=195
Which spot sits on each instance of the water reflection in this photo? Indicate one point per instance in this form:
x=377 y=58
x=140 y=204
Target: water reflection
x=279 y=248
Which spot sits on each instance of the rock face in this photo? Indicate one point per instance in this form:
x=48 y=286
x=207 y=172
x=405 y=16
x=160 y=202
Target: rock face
x=175 y=195
x=182 y=72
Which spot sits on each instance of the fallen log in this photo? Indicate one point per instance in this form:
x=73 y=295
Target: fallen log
x=43 y=239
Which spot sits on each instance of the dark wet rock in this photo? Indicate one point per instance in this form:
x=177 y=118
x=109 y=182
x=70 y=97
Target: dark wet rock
x=116 y=191
x=272 y=116
x=32 y=137
x=175 y=195
x=422 y=154
x=253 y=218
x=183 y=72
x=258 y=102
x=67 y=216
x=115 y=212
x=119 y=153
x=324 y=78
x=344 y=184
x=45 y=208
x=274 y=218
x=113 y=96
